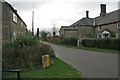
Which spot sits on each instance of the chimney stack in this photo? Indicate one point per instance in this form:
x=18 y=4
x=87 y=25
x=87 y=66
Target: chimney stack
x=87 y=14
x=103 y=10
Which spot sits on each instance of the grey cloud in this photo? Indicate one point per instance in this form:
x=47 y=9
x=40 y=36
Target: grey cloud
x=28 y=5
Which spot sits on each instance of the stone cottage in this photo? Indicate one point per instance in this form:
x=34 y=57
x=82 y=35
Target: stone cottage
x=107 y=24
x=103 y=26
x=12 y=24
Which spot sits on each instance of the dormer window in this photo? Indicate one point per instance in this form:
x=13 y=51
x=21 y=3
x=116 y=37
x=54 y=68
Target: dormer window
x=14 y=18
x=118 y=25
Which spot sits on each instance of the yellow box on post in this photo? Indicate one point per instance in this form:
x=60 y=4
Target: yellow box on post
x=47 y=61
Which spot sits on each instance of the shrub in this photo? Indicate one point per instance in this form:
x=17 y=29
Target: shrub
x=69 y=41
x=26 y=57
x=106 y=43
x=24 y=40
x=25 y=52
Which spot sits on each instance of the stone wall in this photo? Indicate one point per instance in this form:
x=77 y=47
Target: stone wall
x=70 y=33
x=17 y=28
x=0 y=40
x=111 y=27
x=5 y=22
x=85 y=32
x=10 y=29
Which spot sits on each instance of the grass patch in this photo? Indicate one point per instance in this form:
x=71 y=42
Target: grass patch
x=91 y=49
x=57 y=70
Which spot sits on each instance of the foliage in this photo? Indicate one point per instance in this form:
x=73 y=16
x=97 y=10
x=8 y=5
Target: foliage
x=106 y=43
x=25 y=52
x=25 y=57
x=69 y=41
x=37 y=33
x=25 y=39
x=44 y=35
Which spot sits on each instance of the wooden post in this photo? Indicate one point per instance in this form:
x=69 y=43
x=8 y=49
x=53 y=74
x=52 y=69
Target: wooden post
x=18 y=75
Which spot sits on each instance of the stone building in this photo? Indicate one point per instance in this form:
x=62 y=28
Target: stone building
x=107 y=24
x=68 y=32
x=104 y=26
x=84 y=27
x=12 y=24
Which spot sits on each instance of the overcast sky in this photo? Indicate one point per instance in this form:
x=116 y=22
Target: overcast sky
x=57 y=13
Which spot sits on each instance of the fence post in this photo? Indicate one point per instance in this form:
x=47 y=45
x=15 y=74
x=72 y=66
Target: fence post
x=78 y=43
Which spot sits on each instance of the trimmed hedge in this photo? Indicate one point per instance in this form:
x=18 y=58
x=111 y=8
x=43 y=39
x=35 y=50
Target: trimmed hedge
x=106 y=43
x=69 y=41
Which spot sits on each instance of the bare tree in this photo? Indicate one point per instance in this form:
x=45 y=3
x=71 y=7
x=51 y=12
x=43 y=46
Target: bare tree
x=55 y=31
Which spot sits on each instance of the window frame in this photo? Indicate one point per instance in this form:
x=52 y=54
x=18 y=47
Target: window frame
x=14 y=18
x=117 y=35
x=118 y=25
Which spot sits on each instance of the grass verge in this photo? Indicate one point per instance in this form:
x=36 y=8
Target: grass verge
x=57 y=70
x=90 y=49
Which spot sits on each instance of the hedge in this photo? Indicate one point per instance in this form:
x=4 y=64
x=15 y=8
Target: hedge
x=69 y=41
x=24 y=52
x=105 y=43
x=26 y=57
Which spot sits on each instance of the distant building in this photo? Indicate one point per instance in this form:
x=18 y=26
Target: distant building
x=104 y=26
x=12 y=24
x=84 y=27
x=68 y=32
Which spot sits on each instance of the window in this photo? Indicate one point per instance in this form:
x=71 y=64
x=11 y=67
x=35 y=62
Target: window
x=99 y=36
x=117 y=35
x=21 y=24
x=14 y=18
x=118 y=25
x=99 y=28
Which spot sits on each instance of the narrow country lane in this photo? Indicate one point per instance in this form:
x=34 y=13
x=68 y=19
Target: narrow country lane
x=90 y=64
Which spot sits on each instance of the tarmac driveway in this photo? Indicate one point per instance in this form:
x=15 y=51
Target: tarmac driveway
x=90 y=64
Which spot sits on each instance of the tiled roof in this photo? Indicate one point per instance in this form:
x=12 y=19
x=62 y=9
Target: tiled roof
x=108 y=18
x=83 y=22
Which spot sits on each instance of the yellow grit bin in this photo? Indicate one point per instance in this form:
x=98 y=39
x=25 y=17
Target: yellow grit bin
x=47 y=61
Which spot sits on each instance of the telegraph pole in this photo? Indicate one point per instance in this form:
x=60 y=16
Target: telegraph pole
x=33 y=23
x=33 y=20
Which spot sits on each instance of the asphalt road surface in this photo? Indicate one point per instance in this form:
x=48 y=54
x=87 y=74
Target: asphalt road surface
x=90 y=64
